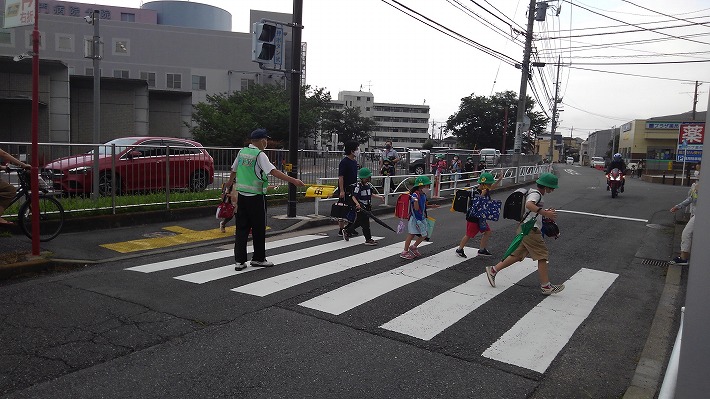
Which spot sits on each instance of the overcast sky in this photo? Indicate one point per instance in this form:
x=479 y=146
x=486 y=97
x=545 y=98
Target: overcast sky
x=402 y=60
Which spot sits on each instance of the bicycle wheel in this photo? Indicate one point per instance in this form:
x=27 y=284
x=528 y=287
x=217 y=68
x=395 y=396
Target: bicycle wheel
x=51 y=218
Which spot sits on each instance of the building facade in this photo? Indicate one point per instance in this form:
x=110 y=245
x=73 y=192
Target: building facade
x=406 y=125
x=153 y=69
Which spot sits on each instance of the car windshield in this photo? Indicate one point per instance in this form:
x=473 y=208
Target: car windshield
x=105 y=149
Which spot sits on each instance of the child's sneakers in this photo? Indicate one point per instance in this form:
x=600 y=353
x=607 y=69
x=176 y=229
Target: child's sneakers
x=221 y=227
x=415 y=251
x=346 y=235
x=484 y=252
x=551 y=289
x=406 y=255
x=491 y=274
x=679 y=261
x=459 y=252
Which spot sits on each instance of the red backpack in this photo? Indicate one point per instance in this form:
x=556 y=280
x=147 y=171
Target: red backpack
x=401 y=209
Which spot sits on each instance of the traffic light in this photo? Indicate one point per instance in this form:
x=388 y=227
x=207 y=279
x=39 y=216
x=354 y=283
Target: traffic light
x=267 y=43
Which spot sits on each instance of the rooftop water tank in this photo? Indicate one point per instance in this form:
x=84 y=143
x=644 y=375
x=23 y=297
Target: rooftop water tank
x=191 y=15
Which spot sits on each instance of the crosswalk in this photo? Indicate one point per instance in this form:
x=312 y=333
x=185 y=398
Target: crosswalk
x=532 y=342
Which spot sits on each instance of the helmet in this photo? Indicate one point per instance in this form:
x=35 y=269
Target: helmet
x=364 y=173
x=486 y=178
x=547 y=180
x=617 y=157
x=422 y=181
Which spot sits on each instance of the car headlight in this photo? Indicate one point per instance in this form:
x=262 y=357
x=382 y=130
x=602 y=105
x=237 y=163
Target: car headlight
x=81 y=170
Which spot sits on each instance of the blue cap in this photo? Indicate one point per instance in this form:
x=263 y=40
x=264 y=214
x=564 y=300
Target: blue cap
x=259 y=134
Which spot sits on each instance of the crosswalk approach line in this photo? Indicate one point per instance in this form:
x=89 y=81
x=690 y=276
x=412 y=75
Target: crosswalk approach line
x=191 y=260
x=291 y=279
x=205 y=276
x=359 y=292
x=536 y=339
x=441 y=312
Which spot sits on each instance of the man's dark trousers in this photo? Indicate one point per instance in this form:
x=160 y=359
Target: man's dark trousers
x=251 y=215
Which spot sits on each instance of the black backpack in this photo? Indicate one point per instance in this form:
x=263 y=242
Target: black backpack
x=514 y=207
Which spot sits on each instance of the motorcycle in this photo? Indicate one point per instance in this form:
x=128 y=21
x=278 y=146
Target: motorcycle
x=615 y=182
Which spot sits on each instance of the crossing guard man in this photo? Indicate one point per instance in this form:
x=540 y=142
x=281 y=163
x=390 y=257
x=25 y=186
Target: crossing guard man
x=251 y=169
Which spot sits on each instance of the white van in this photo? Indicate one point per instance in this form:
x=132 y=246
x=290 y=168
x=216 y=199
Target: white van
x=490 y=156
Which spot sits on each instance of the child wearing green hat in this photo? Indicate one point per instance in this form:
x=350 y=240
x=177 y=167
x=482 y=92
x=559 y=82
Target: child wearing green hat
x=486 y=182
x=362 y=198
x=418 y=225
x=532 y=243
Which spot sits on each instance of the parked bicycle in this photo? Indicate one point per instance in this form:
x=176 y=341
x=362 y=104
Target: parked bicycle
x=51 y=212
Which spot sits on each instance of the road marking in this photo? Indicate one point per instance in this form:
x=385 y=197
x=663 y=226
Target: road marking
x=205 y=276
x=357 y=293
x=603 y=216
x=571 y=171
x=191 y=260
x=441 y=312
x=296 y=277
x=536 y=339
x=183 y=236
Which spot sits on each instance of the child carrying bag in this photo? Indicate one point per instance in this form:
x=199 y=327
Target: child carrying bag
x=225 y=209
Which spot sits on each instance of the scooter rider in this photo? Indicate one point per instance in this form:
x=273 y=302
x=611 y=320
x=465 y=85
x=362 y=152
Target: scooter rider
x=617 y=162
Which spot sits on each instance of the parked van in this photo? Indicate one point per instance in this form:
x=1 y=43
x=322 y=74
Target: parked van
x=490 y=156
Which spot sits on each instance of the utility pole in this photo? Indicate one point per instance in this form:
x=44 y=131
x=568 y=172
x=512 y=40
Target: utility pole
x=524 y=82
x=695 y=97
x=554 y=109
x=96 y=58
x=505 y=129
x=295 y=103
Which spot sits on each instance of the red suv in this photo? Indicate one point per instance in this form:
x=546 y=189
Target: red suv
x=141 y=164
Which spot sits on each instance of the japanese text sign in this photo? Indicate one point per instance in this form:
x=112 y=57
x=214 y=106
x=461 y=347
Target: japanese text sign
x=693 y=133
x=19 y=13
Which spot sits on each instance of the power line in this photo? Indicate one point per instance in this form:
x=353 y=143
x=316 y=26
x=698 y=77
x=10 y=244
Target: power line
x=639 y=63
x=660 y=13
x=630 y=31
x=632 y=74
x=485 y=22
x=588 y=46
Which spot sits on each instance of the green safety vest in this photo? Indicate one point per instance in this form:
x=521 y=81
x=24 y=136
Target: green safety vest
x=247 y=179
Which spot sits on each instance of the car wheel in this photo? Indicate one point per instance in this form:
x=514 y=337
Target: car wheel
x=105 y=184
x=198 y=181
x=419 y=170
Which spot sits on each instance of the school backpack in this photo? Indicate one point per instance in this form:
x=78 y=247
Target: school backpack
x=514 y=207
x=401 y=208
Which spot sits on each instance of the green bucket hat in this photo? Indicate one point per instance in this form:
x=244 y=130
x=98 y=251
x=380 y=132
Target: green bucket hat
x=439 y=156
x=486 y=178
x=547 y=180
x=422 y=181
x=364 y=173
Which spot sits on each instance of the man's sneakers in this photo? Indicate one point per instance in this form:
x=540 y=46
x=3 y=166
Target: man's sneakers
x=346 y=235
x=261 y=263
x=407 y=255
x=550 y=289
x=371 y=242
x=459 y=252
x=491 y=274
x=484 y=252
x=240 y=266
x=679 y=261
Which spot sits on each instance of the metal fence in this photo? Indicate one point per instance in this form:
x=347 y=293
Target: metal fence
x=161 y=175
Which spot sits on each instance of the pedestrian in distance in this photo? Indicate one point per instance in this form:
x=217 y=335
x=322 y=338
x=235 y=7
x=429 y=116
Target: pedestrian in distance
x=469 y=167
x=347 y=177
x=456 y=167
x=532 y=243
x=417 y=226
x=7 y=190
x=486 y=182
x=388 y=163
x=686 y=238
x=251 y=168
x=362 y=198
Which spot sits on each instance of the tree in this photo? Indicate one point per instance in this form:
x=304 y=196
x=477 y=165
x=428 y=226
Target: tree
x=428 y=144
x=227 y=120
x=348 y=124
x=480 y=121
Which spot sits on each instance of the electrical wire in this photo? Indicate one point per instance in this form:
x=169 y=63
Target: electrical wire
x=635 y=75
x=485 y=22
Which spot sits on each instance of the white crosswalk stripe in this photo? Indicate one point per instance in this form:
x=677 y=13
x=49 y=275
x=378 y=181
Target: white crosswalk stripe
x=191 y=260
x=437 y=314
x=355 y=294
x=533 y=342
x=205 y=276
x=296 y=277
x=536 y=339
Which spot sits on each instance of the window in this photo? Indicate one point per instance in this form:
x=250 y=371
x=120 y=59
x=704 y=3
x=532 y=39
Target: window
x=28 y=39
x=121 y=73
x=368 y=99
x=246 y=84
x=128 y=17
x=199 y=82
x=148 y=77
x=6 y=37
x=121 y=46
x=174 y=81
x=367 y=108
x=90 y=71
x=64 y=42
x=358 y=98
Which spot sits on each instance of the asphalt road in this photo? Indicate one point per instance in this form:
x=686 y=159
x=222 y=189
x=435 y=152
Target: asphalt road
x=337 y=319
